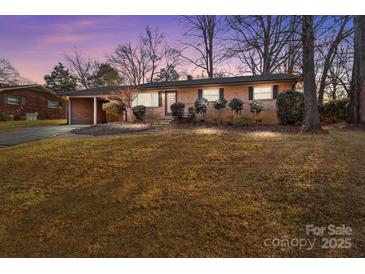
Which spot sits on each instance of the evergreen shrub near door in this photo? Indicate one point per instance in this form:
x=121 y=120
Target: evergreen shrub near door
x=201 y=106
x=139 y=112
x=177 y=111
x=290 y=107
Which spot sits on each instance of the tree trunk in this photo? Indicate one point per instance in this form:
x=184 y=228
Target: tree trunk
x=311 y=115
x=357 y=98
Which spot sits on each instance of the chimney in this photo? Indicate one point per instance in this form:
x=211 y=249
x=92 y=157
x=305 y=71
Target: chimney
x=189 y=77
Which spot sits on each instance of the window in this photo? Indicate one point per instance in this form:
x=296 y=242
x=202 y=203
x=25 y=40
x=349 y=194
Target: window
x=54 y=104
x=262 y=93
x=147 y=99
x=211 y=94
x=13 y=100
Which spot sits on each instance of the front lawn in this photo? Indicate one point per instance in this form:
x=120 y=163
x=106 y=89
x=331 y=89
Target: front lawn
x=187 y=193
x=10 y=125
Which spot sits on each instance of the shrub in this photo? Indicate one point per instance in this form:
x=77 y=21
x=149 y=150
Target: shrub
x=334 y=111
x=177 y=110
x=6 y=117
x=256 y=106
x=220 y=104
x=114 y=108
x=191 y=114
x=139 y=112
x=290 y=107
x=201 y=106
x=236 y=105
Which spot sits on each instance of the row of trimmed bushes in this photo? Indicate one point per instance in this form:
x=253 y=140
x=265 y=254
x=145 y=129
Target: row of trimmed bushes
x=289 y=108
x=201 y=107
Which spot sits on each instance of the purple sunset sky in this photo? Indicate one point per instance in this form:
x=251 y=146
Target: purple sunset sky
x=35 y=44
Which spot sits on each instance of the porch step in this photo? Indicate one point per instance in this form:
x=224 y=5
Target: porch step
x=162 y=123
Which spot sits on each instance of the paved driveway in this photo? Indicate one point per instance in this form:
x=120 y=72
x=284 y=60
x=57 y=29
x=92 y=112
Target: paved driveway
x=29 y=134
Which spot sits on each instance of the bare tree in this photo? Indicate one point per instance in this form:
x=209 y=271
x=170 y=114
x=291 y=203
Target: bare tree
x=83 y=68
x=152 y=42
x=265 y=44
x=138 y=63
x=357 y=105
x=328 y=50
x=311 y=115
x=126 y=96
x=8 y=74
x=132 y=63
x=339 y=78
x=202 y=33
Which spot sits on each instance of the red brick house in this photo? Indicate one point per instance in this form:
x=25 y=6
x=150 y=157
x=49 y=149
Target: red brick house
x=85 y=106
x=19 y=100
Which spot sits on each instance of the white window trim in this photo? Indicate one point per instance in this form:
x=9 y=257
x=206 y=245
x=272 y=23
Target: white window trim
x=256 y=87
x=56 y=107
x=13 y=103
x=154 y=100
x=210 y=90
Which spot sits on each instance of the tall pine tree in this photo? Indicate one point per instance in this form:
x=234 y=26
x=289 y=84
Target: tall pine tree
x=60 y=80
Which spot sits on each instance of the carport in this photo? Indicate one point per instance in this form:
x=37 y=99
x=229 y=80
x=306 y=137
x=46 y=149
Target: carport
x=85 y=110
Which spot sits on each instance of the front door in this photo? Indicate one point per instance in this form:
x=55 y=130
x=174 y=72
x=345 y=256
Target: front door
x=170 y=99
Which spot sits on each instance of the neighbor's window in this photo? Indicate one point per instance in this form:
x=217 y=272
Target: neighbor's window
x=147 y=99
x=260 y=93
x=211 y=94
x=54 y=104
x=13 y=100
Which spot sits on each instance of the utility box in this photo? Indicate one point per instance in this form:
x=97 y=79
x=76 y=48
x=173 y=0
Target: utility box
x=31 y=116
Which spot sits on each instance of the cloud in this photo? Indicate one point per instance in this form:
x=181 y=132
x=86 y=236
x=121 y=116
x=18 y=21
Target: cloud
x=64 y=38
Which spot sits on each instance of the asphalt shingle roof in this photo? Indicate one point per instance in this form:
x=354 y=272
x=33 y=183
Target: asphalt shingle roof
x=189 y=83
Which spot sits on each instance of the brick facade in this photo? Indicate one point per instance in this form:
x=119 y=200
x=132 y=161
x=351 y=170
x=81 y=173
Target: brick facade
x=82 y=111
x=82 y=108
x=33 y=101
x=189 y=95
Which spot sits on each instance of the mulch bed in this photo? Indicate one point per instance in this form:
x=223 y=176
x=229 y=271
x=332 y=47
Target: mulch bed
x=245 y=128
x=112 y=128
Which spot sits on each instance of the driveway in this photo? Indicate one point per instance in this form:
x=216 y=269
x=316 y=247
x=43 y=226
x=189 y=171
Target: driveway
x=24 y=135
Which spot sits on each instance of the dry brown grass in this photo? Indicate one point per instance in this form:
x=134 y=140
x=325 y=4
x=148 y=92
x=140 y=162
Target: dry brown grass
x=201 y=193
x=10 y=125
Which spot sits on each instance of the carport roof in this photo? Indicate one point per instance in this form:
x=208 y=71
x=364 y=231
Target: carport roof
x=187 y=83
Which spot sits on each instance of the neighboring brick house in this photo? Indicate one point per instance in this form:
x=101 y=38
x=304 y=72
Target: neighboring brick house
x=85 y=105
x=19 y=100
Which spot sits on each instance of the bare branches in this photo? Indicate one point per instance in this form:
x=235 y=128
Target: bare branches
x=341 y=30
x=83 y=68
x=152 y=42
x=138 y=63
x=264 y=44
x=9 y=75
x=202 y=33
x=131 y=63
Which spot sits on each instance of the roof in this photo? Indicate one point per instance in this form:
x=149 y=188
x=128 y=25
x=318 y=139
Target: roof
x=38 y=88
x=189 y=83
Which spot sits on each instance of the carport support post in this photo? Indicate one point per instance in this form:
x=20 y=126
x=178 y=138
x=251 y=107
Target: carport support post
x=95 y=110
x=69 y=110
